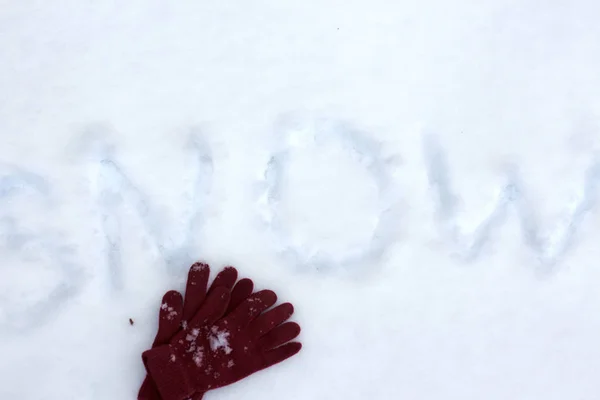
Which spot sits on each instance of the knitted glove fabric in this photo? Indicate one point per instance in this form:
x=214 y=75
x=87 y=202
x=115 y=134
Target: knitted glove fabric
x=175 y=311
x=215 y=351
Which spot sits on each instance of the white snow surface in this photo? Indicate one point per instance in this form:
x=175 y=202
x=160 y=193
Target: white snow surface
x=418 y=178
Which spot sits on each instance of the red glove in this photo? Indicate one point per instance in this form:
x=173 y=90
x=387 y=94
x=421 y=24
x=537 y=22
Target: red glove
x=174 y=310
x=215 y=351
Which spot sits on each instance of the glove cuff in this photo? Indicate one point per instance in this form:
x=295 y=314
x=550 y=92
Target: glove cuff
x=168 y=374
x=148 y=390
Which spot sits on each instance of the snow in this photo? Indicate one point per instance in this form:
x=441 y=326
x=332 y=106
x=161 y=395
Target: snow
x=172 y=312
x=418 y=178
x=191 y=337
x=218 y=340
x=198 y=357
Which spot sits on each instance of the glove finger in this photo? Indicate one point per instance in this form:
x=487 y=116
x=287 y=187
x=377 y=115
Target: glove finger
x=281 y=353
x=279 y=335
x=195 y=290
x=169 y=318
x=225 y=278
x=252 y=307
x=269 y=320
x=169 y=322
x=242 y=290
x=213 y=307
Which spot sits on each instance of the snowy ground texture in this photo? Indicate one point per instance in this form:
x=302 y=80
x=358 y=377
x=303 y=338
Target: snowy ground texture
x=419 y=178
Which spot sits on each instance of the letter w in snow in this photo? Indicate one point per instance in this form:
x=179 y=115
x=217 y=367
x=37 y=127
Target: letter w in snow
x=549 y=248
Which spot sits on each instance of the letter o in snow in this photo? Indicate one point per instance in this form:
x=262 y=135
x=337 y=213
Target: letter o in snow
x=355 y=225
